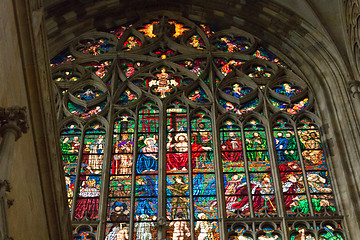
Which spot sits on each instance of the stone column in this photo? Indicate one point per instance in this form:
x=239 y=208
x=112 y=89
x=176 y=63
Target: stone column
x=12 y=124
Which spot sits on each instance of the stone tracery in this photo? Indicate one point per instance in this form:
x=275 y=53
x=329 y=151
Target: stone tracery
x=268 y=90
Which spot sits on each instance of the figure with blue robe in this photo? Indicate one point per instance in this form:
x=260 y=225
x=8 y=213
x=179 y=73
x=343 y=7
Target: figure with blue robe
x=146 y=188
x=147 y=160
x=281 y=144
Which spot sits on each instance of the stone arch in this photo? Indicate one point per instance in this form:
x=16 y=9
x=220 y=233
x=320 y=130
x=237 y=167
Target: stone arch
x=309 y=53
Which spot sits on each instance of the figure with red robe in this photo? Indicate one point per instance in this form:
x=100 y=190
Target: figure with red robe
x=232 y=149
x=179 y=160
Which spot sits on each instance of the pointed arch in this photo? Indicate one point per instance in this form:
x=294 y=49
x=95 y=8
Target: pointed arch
x=194 y=162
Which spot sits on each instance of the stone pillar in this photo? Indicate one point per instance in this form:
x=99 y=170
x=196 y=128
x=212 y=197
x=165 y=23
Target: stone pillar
x=12 y=124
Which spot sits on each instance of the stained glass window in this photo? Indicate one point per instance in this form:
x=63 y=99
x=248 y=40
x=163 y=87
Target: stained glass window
x=172 y=130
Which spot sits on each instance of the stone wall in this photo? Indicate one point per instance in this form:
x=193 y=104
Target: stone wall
x=38 y=210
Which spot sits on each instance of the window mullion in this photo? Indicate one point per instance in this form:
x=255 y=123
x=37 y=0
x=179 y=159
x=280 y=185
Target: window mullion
x=219 y=176
x=161 y=227
x=281 y=212
x=105 y=178
x=303 y=171
x=190 y=165
x=133 y=175
x=247 y=174
x=78 y=169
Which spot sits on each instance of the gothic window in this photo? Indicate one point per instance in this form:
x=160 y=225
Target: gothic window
x=172 y=129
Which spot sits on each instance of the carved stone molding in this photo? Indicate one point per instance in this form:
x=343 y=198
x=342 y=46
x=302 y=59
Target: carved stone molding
x=354 y=87
x=15 y=118
x=13 y=122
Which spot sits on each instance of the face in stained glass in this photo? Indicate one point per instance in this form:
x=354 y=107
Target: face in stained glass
x=147 y=161
x=236 y=195
x=287 y=89
x=85 y=112
x=131 y=43
x=237 y=90
x=259 y=72
x=263 y=194
x=225 y=65
x=232 y=44
x=163 y=83
x=127 y=96
x=118 y=210
x=177 y=156
x=123 y=142
x=99 y=68
x=129 y=67
x=232 y=150
x=310 y=139
x=70 y=144
x=94 y=46
x=88 y=201
x=255 y=140
x=318 y=182
x=198 y=95
x=169 y=86
x=196 y=42
x=177 y=185
x=88 y=93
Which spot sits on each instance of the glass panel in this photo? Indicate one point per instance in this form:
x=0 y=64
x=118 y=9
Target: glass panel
x=262 y=191
x=117 y=231
x=236 y=195
x=145 y=229
x=178 y=229
x=120 y=186
x=206 y=229
x=70 y=146
x=318 y=179
x=87 y=204
x=118 y=210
